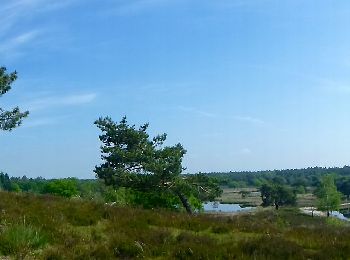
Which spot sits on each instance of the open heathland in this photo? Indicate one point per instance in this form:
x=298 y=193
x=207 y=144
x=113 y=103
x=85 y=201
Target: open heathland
x=49 y=227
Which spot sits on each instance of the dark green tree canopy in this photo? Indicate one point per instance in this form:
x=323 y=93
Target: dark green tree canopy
x=343 y=186
x=12 y=118
x=277 y=195
x=132 y=159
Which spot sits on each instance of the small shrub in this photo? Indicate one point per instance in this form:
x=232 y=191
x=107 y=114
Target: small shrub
x=52 y=254
x=272 y=247
x=339 y=250
x=128 y=249
x=192 y=246
x=20 y=239
x=220 y=229
x=335 y=222
x=187 y=238
x=184 y=253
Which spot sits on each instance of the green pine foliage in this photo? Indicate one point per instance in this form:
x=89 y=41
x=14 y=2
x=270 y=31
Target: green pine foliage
x=132 y=159
x=9 y=119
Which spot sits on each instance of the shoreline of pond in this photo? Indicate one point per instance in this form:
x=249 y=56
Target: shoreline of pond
x=234 y=208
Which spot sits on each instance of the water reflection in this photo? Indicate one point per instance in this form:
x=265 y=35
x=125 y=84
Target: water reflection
x=227 y=208
x=339 y=215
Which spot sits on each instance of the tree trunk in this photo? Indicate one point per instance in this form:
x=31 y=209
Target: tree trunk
x=327 y=213
x=185 y=202
x=276 y=206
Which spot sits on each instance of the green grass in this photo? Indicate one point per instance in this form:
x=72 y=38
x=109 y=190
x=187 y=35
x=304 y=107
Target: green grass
x=233 y=196
x=47 y=227
x=20 y=239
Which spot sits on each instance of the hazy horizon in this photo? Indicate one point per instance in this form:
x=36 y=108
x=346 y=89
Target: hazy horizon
x=242 y=85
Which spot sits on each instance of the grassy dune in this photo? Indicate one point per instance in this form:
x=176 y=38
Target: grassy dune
x=46 y=227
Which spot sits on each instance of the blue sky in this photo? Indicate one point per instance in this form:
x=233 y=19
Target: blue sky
x=242 y=84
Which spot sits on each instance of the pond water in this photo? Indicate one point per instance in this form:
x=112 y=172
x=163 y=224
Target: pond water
x=232 y=208
x=226 y=208
x=339 y=215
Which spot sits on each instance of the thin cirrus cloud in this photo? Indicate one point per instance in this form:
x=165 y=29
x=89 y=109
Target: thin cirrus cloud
x=131 y=7
x=17 y=12
x=248 y=119
x=60 y=101
x=138 y=6
x=245 y=151
x=244 y=119
x=15 y=43
x=30 y=123
x=239 y=3
x=197 y=111
x=14 y=7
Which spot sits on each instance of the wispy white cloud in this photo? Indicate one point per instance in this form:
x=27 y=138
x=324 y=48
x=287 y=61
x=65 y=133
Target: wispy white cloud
x=211 y=135
x=77 y=99
x=131 y=7
x=39 y=5
x=54 y=101
x=137 y=6
x=14 y=11
x=166 y=87
x=29 y=123
x=315 y=82
x=251 y=120
x=197 y=111
x=17 y=12
x=12 y=45
x=245 y=151
x=244 y=119
x=240 y=3
x=51 y=5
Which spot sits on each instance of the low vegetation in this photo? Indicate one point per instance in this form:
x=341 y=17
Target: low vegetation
x=49 y=227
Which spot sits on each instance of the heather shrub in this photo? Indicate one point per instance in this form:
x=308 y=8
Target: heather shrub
x=48 y=227
x=272 y=247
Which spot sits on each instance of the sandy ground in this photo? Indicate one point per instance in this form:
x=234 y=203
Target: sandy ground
x=310 y=210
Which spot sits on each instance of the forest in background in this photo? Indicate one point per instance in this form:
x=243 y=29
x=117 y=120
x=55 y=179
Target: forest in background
x=300 y=181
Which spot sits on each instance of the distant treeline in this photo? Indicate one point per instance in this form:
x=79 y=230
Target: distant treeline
x=87 y=189
x=298 y=178
x=93 y=189
x=67 y=187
